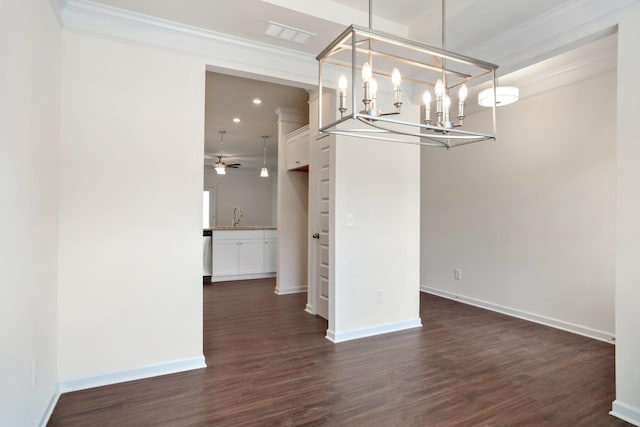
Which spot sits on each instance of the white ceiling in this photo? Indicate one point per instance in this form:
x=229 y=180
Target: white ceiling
x=511 y=33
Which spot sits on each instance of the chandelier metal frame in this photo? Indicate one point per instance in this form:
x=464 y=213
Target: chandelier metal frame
x=453 y=70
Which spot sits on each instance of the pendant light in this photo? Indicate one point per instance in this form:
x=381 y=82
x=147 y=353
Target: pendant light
x=264 y=172
x=438 y=76
x=219 y=166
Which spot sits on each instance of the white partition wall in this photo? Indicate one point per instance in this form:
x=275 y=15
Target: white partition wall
x=130 y=291
x=627 y=403
x=375 y=238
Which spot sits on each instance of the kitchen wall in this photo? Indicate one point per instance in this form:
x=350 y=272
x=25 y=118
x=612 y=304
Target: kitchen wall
x=29 y=143
x=254 y=194
x=530 y=219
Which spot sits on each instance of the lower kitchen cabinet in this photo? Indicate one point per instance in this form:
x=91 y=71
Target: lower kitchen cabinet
x=270 y=250
x=243 y=254
x=225 y=257
x=251 y=256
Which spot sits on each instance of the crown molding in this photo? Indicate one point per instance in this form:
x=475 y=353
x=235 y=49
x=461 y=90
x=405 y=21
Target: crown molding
x=566 y=27
x=581 y=69
x=558 y=72
x=141 y=21
x=217 y=49
x=58 y=6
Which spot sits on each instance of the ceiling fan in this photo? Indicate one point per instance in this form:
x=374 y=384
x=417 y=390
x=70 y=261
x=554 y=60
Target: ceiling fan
x=221 y=166
x=220 y=163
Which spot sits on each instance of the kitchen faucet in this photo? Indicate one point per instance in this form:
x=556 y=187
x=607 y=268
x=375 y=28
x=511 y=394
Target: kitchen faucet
x=237 y=214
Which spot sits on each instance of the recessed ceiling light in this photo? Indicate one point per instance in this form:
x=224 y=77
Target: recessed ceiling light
x=257 y=101
x=236 y=120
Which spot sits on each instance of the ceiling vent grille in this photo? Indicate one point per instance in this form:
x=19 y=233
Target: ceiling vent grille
x=287 y=33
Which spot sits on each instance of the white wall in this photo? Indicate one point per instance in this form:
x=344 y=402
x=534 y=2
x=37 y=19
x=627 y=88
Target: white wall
x=627 y=404
x=29 y=135
x=130 y=291
x=254 y=194
x=530 y=219
x=292 y=210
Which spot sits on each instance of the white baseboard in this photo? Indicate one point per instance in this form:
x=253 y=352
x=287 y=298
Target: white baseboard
x=309 y=309
x=242 y=277
x=132 y=374
x=625 y=412
x=386 y=328
x=47 y=414
x=287 y=291
x=547 y=321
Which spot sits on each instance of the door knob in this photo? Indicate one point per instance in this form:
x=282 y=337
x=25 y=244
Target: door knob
x=316 y=236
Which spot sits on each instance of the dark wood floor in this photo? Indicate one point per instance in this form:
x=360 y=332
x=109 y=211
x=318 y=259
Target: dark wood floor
x=270 y=365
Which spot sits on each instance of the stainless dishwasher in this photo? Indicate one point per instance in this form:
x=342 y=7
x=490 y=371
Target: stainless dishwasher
x=206 y=255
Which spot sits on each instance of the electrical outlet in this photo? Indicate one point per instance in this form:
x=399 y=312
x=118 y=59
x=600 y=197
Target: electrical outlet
x=380 y=296
x=457 y=273
x=34 y=371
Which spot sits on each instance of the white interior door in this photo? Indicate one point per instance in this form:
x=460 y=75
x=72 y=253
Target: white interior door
x=321 y=234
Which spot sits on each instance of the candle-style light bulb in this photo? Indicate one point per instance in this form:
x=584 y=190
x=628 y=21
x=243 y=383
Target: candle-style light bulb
x=439 y=90
x=366 y=79
x=373 y=84
x=342 y=85
x=366 y=72
x=396 y=79
x=426 y=98
x=462 y=93
x=462 y=96
x=374 y=88
x=446 y=105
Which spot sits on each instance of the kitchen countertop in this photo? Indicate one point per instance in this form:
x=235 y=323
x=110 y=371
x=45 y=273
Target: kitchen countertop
x=241 y=227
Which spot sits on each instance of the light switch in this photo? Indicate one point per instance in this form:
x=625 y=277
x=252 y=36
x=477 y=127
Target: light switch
x=350 y=220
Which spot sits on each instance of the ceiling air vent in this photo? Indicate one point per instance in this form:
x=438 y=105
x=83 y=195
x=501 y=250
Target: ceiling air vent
x=285 y=32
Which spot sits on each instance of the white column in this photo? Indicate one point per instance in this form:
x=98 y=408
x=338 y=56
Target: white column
x=375 y=238
x=292 y=210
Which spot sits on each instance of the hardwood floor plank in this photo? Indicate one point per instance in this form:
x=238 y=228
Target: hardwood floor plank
x=270 y=365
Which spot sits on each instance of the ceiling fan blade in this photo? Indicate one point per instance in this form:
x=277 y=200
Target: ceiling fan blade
x=234 y=165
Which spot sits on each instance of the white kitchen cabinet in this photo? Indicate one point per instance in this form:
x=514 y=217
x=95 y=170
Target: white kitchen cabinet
x=298 y=149
x=243 y=254
x=225 y=256
x=270 y=263
x=250 y=256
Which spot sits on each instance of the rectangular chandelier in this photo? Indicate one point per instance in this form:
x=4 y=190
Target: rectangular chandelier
x=437 y=77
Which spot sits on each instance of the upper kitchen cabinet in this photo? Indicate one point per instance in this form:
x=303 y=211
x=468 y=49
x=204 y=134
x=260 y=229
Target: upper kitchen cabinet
x=298 y=149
